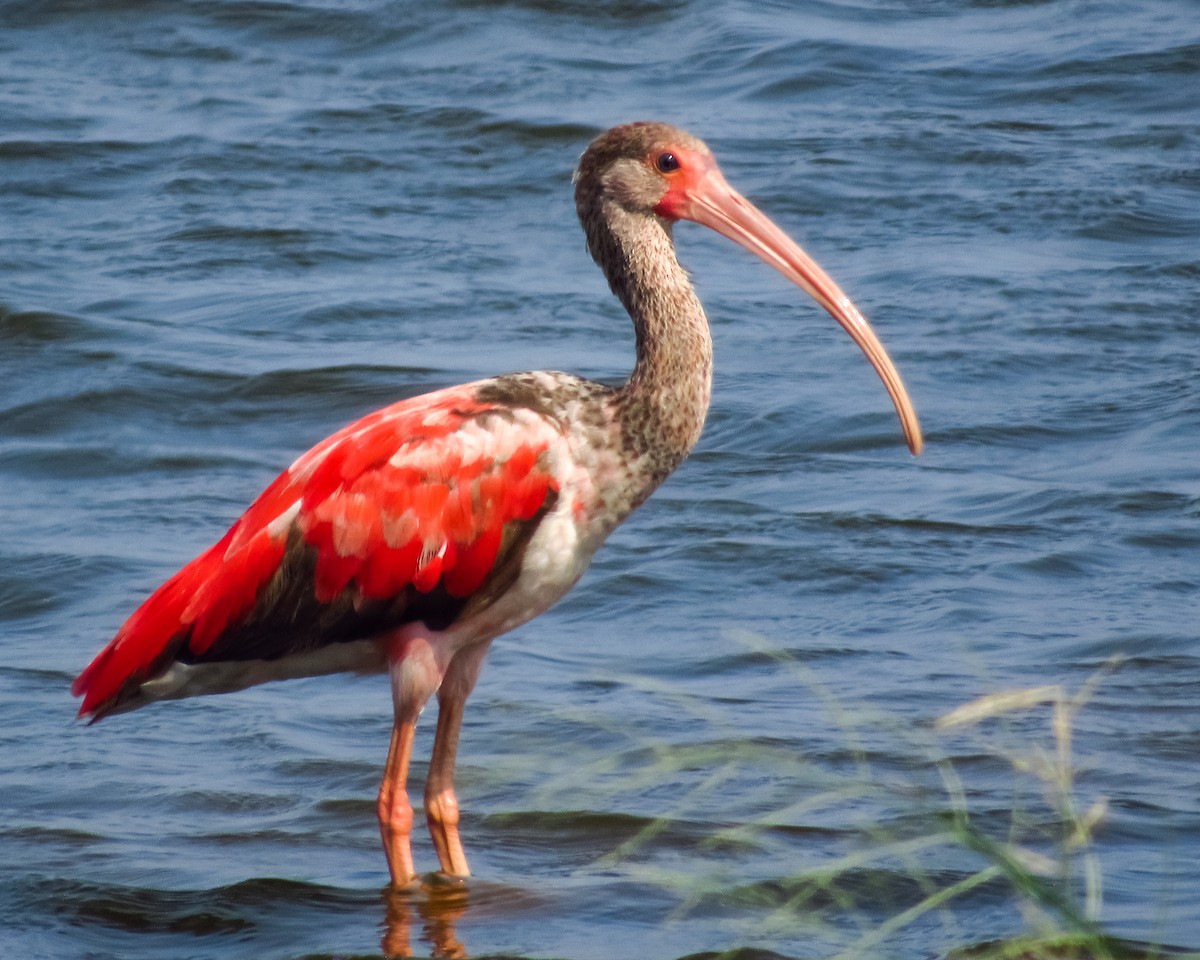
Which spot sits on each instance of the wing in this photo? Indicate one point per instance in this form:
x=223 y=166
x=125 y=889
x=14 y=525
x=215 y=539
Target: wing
x=415 y=512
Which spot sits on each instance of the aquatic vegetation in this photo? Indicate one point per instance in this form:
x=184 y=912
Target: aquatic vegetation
x=924 y=871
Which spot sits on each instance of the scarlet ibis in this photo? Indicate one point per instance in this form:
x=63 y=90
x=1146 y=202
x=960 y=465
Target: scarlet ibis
x=408 y=541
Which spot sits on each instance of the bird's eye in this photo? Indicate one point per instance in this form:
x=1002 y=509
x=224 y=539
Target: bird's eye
x=666 y=162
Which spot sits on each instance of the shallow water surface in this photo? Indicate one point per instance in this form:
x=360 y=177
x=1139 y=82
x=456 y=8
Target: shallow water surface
x=229 y=228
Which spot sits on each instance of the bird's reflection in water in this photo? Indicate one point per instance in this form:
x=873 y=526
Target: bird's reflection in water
x=436 y=903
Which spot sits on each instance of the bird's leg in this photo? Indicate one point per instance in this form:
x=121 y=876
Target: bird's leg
x=416 y=669
x=441 y=802
x=395 y=810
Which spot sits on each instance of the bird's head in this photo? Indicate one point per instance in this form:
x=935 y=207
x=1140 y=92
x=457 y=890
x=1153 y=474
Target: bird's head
x=656 y=171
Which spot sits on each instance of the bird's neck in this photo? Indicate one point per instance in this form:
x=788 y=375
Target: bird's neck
x=662 y=407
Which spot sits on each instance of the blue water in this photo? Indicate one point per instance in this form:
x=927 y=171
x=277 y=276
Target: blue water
x=228 y=228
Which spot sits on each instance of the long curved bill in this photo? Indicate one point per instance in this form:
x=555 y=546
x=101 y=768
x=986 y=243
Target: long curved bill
x=711 y=201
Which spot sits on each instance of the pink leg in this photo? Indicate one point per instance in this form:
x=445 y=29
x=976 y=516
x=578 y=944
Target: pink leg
x=395 y=810
x=416 y=673
x=441 y=802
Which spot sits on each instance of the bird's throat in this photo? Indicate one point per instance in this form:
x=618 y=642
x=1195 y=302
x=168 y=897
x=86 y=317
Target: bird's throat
x=663 y=406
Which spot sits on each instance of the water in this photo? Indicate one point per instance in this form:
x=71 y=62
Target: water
x=229 y=228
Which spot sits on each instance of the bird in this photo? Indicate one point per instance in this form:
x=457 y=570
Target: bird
x=406 y=542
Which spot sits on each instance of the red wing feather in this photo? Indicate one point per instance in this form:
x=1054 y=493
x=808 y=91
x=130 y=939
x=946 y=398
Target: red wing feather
x=416 y=495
